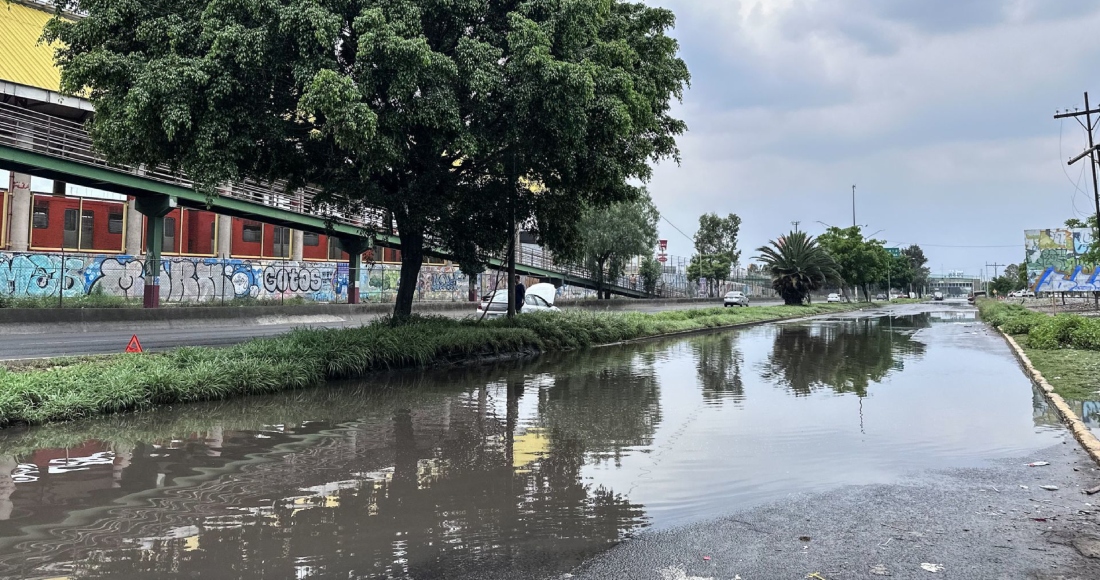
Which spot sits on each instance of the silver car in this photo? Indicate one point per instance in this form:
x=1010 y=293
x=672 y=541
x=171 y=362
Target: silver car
x=735 y=298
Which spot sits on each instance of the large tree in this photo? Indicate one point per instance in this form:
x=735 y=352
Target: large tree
x=861 y=262
x=716 y=250
x=442 y=113
x=920 y=272
x=610 y=236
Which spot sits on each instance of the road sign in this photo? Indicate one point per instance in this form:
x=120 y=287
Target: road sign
x=663 y=244
x=134 y=345
x=895 y=252
x=662 y=258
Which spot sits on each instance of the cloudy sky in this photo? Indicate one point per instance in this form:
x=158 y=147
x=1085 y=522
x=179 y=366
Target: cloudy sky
x=939 y=111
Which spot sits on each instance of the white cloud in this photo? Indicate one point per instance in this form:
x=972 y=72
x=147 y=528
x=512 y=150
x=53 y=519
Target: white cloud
x=940 y=111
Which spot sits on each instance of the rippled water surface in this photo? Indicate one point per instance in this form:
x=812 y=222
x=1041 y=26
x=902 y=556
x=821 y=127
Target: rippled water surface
x=520 y=469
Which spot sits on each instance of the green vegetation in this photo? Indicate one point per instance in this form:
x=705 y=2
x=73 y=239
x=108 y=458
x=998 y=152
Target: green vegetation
x=610 y=236
x=1064 y=348
x=798 y=266
x=77 y=388
x=443 y=114
x=715 y=249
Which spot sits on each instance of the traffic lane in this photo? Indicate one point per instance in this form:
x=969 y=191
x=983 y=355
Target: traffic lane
x=991 y=522
x=73 y=340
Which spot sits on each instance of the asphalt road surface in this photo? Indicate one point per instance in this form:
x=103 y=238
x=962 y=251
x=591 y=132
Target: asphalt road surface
x=78 y=340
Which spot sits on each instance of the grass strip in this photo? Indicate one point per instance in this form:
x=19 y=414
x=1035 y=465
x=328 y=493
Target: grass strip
x=1065 y=348
x=81 y=387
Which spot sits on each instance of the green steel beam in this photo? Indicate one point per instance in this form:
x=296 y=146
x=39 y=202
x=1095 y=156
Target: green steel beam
x=50 y=167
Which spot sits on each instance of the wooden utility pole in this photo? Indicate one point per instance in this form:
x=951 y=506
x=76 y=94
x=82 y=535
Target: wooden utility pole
x=1091 y=151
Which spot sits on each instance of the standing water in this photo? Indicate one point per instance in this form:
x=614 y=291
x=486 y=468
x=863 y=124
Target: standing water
x=522 y=469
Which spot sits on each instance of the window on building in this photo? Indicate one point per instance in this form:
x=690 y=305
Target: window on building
x=334 y=250
x=169 y=239
x=114 y=222
x=251 y=231
x=311 y=239
x=41 y=217
x=87 y=229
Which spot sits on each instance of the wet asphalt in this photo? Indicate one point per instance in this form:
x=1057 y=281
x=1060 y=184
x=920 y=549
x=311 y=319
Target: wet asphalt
x=993 y=522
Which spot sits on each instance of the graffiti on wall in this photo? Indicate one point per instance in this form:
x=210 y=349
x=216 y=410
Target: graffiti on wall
x=1053 y=263
x=194 y=279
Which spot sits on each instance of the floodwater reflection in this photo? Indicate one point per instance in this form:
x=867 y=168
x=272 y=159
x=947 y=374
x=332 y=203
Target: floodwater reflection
x=845 y=356
x=513 y=470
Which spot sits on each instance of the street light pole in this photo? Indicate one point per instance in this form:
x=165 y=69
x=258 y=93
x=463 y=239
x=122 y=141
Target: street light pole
x=853 y=205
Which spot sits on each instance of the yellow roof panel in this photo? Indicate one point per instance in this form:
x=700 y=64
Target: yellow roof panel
x=23 y=59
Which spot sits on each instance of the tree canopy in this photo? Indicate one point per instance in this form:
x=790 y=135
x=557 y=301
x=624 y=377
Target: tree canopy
x=612 y=235
x=797 y=266
x=860 y=262
x=442 y=113
x=716 y=250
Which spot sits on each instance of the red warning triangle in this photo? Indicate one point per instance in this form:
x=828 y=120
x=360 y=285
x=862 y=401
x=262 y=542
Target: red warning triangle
x=134 y=345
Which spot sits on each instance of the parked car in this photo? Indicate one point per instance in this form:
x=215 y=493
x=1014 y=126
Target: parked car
x=735 y=298
x=880 y=297
x=937 y=296
x=539 y=298
x=834 y=297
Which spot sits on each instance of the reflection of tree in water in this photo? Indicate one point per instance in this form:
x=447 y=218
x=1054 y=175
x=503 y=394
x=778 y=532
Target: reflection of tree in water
x=604 y=399
x=846 y=356
x=426 y=485
x=718 y=361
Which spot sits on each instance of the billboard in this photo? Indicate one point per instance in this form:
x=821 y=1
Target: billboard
x=1053 y=260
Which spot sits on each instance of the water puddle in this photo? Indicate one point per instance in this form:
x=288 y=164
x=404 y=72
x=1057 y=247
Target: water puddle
x=521 y=469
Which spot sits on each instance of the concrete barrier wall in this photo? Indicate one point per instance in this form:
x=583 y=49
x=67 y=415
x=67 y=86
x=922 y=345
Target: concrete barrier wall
x=198 y=279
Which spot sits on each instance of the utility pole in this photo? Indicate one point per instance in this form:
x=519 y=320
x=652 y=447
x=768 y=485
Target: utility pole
x=795 y=224
x=1091 y=151
x=994 y=266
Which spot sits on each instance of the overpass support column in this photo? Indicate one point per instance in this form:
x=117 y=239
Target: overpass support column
x=297 y=238
x=225 y=236
x=355 y=248
x=19 y=237
x=133 y=229
x=154 y=209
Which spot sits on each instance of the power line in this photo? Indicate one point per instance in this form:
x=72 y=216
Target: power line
x=678 y=229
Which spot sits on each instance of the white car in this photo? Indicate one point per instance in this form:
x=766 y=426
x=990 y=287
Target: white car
x=735 y=298
x=834 y=297
x=539 y=298
x=937 y=295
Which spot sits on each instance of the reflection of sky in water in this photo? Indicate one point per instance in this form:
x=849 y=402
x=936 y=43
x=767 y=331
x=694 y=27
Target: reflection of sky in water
x=955 y=405
x=451 y=469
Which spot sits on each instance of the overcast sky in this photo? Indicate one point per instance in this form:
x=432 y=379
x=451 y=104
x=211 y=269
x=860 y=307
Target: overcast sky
x=939 y=111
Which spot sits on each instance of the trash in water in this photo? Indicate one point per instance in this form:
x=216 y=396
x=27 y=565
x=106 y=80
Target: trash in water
x=1024 y=487
x=1049 y=487
x=706 y=558
x=931 y=567
x=1038 y=463
x=879 y=570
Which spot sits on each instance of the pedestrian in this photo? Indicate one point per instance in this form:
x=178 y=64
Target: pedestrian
x=521 y=293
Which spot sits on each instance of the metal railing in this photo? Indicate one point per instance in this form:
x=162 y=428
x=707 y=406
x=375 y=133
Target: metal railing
x=45 y=134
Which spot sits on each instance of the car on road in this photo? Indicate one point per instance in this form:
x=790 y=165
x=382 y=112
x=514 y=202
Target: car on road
x=1022 y=294
x=735 y=298
x=880 y=297
x=834 y=297
x=937 y=296
x=974 y=296
x=539 y=298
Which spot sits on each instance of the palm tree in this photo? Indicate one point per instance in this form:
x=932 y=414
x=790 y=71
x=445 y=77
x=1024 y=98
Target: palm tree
x=797 y=266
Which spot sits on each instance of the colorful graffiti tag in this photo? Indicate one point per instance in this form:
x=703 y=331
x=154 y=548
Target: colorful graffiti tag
x=193 y=279
x=1053 y=260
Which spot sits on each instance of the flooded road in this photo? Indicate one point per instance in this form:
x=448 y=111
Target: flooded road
x=522 y=469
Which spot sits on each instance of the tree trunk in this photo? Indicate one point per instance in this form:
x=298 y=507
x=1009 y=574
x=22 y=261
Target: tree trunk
x=473 y=288
x=412 y=257
x=599 y=279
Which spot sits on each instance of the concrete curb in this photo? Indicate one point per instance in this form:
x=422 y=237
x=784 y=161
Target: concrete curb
x=1082 y=433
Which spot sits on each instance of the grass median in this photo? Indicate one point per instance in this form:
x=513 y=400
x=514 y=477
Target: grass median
x=74 y=388
x=1065 y=348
